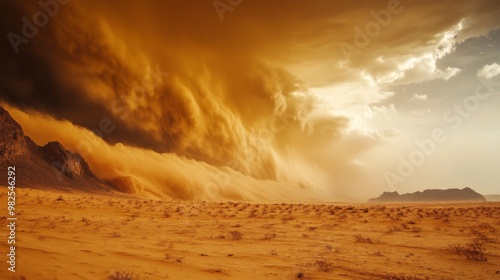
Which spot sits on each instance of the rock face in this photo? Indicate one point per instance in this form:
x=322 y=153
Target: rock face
x=50 y=166
x=68 y=163
x=12 y=141
x=466 y=194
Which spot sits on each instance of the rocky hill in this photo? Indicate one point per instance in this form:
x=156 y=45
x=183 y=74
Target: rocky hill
x=50 y=166
x=466 y=194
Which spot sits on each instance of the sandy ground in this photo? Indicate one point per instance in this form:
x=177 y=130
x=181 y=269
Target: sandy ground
x=84 y=236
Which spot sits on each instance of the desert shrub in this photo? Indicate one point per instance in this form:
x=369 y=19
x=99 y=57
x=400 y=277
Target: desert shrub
x=167 y=213
x=472 y=251
x=392 y=229
x=324 y=265
x=252 y=214
x=235 y=235
x=173 y=259
x=285 y=219
x=123 y=275
x=362 y=239
x=378 y=254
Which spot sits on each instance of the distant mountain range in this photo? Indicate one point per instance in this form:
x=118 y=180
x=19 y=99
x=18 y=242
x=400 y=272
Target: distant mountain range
x=466 y=194
x=50 y=166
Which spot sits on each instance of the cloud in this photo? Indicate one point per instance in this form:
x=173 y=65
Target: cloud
x=489 y=71
x=266 y=93
x=418 y=97
x=162 y=175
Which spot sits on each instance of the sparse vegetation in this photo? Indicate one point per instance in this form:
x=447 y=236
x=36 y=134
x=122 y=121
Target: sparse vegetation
x=472 y=251
x=172 y=259
x=123 y=275
x=361 y=239
x=167 y=213
x=308 y=246
x=378 y=254
x=324 y=265
x=235 y=235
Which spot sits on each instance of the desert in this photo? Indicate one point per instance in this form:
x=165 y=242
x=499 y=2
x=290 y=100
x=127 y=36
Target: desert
x=71 y=235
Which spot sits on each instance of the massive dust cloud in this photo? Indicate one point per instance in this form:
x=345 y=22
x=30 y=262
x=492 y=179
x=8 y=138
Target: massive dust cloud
x=165 y=99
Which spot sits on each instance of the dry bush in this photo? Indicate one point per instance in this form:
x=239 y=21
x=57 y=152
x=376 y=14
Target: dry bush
x=287 y=218
x=123 y=275
x=173 y=259
x=392 y=229
x=324 y=265
x=481 y=236
x=252 y=214
x=362 y=239
x=378 y=254
x=235 y=235
x=167 y=213
x=472 y=251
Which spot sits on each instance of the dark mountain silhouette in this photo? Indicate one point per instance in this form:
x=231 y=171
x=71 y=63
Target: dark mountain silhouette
x=50 y=166
x=466 y=194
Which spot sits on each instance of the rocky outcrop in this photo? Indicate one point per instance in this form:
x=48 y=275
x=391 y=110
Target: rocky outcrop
x=12 y=140
x=70 y=164
x=466 y=194
x=50 y=166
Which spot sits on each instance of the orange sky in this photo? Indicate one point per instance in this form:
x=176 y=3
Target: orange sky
x=319 y=99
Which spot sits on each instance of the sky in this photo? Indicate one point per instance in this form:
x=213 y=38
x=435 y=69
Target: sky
x=262 y=100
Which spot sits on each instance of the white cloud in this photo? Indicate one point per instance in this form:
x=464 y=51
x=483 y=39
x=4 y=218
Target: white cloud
x=489 y=71
x=418 y=97
x=418 y=65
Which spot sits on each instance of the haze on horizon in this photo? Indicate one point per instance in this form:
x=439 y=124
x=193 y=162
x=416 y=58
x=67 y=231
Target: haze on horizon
x=262 y=101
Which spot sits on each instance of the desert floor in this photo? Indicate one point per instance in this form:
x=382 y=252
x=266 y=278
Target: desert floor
x=90 y=236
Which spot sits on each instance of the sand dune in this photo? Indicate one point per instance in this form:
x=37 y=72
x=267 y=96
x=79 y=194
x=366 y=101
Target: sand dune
x=93 y=236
